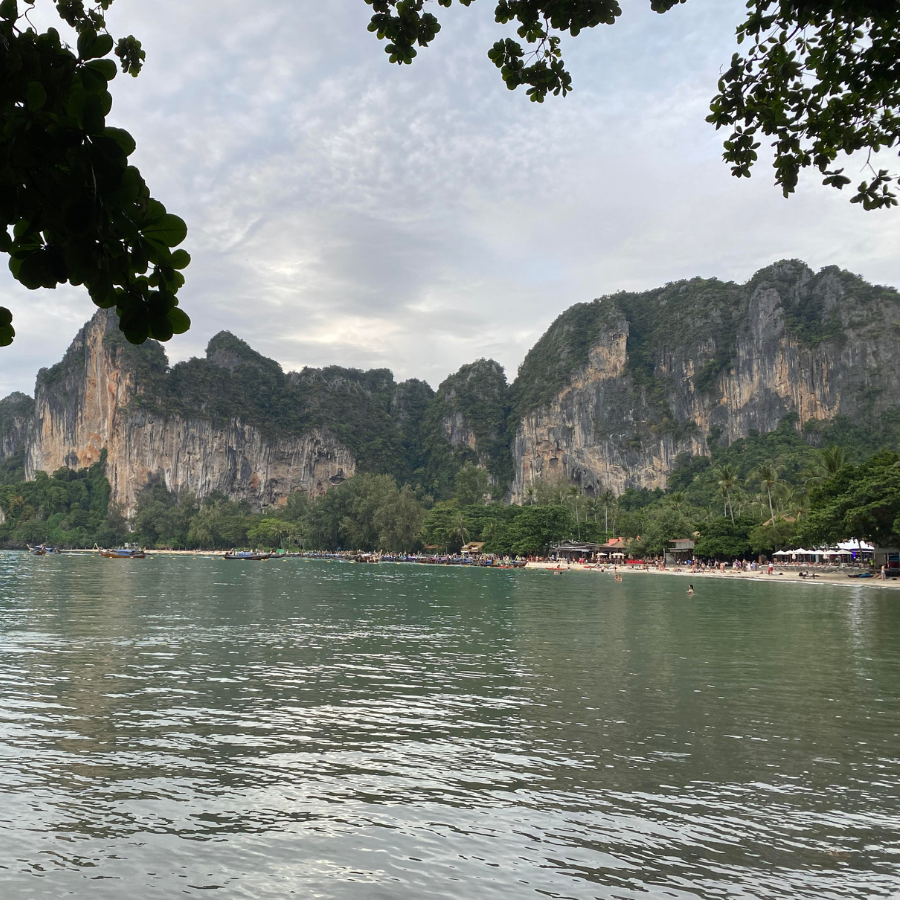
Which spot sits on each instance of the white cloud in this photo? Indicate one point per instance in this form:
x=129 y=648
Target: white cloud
x=346 y=211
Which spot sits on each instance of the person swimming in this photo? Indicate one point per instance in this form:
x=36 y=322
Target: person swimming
x=690 y=590
x=618 y=577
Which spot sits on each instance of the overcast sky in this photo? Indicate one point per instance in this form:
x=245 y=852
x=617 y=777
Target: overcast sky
x=346 y=211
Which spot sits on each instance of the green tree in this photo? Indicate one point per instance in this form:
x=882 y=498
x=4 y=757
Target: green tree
x=663 y=524
x=472 y=485
x=536 y=528
x=727 y=479
x=767 y=476
x=767 y=538
x=818 y=78
x=79 y=211
x=858 y=502
x=830 y=461
x=399 y=520
x=459 y=533
x=723 y=539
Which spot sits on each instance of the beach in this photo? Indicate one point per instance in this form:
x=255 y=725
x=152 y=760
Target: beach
x=783 y=574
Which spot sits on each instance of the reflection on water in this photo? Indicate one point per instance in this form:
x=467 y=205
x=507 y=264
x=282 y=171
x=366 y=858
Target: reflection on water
x=329 y=730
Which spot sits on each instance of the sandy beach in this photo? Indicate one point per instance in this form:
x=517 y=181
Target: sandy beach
x=781 y=575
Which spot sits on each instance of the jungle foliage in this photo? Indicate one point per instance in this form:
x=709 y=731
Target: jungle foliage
x=65 y=509
x=79 y=212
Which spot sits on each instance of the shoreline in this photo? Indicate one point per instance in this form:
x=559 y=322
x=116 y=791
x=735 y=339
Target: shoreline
x=779 y=576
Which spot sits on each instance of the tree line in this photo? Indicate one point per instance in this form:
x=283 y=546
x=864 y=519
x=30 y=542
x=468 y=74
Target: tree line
x=757 y=495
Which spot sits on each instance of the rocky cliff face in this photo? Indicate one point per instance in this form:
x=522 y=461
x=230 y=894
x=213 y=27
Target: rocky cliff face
x=607 y=399
x=665 y=372
x=466 y=423
x=16 y=414
x=104 y=395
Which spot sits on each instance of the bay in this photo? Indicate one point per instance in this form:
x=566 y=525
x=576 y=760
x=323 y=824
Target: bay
x=180 y=725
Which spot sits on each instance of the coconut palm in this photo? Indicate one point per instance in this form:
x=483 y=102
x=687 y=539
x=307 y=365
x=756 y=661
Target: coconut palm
x=767 y=476
x=608 y=499
x=676 y=499
x=794 y=500
x=727 y=479
x=831 y=460
x=459 y=530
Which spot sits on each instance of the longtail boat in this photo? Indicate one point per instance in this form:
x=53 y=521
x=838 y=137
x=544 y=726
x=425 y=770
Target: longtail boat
x=122 y=553
x=247 y=555
x=42 y=550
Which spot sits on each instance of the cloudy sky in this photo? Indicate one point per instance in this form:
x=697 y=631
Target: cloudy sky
x=346 y=211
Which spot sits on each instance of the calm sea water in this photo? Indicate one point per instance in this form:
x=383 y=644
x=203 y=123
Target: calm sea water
x=312 y=729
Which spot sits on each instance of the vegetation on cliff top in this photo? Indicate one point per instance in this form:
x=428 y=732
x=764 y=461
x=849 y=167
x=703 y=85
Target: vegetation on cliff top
x=478 y=395
x=563 y=350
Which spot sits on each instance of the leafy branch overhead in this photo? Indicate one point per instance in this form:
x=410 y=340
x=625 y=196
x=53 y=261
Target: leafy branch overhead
x=820 y=78
x=73 y=208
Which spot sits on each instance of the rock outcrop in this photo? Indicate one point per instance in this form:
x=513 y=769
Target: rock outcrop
x=104 y=395
x=16 y=416
x=609 y=398
x=668 y=371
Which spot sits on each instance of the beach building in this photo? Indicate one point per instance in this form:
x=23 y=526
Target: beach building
x=575 y=550
x=473 y=548
x=614 y=548
x=681 y=550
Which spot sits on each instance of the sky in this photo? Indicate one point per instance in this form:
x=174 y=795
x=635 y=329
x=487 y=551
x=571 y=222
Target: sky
x=345 y=211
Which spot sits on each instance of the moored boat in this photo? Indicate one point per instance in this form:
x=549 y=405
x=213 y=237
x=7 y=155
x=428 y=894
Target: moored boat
x=121 y=553
x=247 y=554
x=42 y=550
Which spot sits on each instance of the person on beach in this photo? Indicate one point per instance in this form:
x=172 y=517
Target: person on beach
x=690 y=590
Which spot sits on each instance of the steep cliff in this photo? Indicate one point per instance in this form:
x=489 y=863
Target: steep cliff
x=608 y=398
x=106 y=394
x=617 y=388
x=16 y=415
x=466 y=423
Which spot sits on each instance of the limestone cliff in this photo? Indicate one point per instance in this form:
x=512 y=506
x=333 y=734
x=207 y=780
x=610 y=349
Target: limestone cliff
x=16 y=413
x=466 y=423
x=607 y=399
x=617 y=388
x=106 y=394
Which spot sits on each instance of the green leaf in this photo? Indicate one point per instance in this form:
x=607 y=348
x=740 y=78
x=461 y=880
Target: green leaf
x=9 y=10
x=104 y=67
x=179 y=320
x=136 y=331
x=5 y=317
x=92 y=114
x=161 y=328
x=85 y=39
x=93 y=46
x=122 y=138
x=181 y=259
x=168 y=229
x=7 y=333
x=35 y=96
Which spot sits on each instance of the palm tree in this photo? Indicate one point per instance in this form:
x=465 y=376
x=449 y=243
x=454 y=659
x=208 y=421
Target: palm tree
x=794 y=499
x=676 y=499
x=767 y=476
x=459 y=530
x=608 y=499
x=575 y=496
x=727 y=478
x=831 y=460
